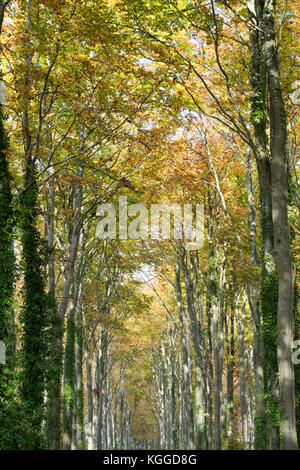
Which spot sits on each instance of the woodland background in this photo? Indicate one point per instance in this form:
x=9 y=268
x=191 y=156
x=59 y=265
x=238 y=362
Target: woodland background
x=130 y=344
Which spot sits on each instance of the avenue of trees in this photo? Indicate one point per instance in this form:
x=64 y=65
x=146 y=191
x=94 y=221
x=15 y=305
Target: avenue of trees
x=142 y=343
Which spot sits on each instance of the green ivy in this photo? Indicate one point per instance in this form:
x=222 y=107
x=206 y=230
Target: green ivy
x=34 y=312
x=7 y=279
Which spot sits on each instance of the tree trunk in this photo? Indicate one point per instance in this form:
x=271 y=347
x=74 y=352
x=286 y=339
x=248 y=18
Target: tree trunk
x=283 y=255
x=266 y=429
x=242 y=366
x=69 y=377
x=89 y=386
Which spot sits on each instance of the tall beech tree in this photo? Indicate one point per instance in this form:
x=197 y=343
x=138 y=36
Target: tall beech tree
x=279 y=177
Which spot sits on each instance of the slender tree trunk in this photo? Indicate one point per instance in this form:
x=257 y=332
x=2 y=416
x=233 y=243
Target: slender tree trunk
x=230 y=367
x=79 y=404
x=55 y=366
x=217 y=378
x=89 y=387
x=69 y=377
x=217 y=382
x=242 y=367
x=186 y=360
x=257 y=342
